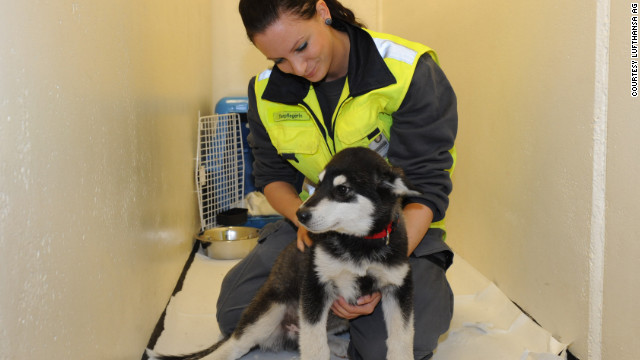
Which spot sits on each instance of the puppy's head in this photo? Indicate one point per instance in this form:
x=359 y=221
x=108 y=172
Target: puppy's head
x=357 y=195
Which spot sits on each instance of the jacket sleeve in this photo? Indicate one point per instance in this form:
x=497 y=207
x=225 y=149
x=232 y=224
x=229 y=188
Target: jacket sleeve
x=268 y=166
x=423 y=131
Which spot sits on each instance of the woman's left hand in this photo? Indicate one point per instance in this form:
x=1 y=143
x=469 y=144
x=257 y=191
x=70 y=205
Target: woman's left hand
x=365 y=306
x=303 y=241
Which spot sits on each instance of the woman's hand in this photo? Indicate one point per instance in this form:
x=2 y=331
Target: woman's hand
x=365 y=306
x=303 y=238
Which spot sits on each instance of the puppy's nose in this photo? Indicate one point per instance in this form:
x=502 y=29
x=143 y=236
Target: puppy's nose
x=303 y=215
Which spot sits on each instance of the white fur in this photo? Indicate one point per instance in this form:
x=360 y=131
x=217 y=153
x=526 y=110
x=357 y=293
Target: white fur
x=265 y=331
x=342 y=274
x=352 y=218
x=314 y=343
x=339 y=180
x=389 y=275
x=400 y=340
x=399 y=188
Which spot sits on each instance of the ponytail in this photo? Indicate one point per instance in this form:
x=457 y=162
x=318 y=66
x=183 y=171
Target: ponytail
x=338 y=11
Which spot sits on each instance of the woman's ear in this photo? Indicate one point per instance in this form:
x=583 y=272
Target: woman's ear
x=323 y=10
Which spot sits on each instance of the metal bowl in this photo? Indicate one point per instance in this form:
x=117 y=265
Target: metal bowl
x=230 y=242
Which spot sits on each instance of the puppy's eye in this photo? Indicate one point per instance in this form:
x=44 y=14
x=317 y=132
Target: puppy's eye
x=342 y=190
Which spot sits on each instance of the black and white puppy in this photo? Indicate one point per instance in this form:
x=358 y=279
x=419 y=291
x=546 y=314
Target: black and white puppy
x=359 y=247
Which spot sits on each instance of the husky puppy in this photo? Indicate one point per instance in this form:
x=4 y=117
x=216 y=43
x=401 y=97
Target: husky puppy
x=359 y=247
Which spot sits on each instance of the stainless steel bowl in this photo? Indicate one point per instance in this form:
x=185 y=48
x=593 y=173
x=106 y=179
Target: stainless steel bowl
x=230 y=242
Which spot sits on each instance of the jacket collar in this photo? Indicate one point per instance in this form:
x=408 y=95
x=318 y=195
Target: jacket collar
x=367 y=71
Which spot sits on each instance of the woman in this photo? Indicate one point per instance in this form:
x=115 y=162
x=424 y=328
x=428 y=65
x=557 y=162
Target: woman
x=336 y=85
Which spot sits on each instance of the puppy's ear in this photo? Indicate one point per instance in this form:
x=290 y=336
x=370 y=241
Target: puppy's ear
x=395 y=180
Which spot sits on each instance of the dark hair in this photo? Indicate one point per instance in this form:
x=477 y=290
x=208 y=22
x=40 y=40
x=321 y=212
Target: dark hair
x=258 y=15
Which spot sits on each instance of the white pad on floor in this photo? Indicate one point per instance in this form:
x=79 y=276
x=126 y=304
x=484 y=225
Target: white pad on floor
x=485 y=325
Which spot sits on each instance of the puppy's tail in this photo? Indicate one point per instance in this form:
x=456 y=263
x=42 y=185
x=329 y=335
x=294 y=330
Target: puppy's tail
x=193 y=356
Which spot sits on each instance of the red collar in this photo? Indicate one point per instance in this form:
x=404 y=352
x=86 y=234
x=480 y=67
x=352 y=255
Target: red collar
x=384 y=234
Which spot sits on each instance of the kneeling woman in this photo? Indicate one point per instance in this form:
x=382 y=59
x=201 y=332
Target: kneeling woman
x=334 y=85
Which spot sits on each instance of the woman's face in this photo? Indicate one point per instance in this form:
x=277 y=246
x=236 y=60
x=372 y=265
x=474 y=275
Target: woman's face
x=302 y=47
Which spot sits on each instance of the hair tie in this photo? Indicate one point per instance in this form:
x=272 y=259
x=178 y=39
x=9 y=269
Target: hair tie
x=328 y=21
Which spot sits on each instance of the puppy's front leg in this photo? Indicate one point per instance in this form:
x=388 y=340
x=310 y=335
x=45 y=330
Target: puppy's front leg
x=314 y=343
x=397 y=306
x=313 y=313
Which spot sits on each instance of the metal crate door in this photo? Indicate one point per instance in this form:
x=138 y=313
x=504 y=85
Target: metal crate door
x=219 y=166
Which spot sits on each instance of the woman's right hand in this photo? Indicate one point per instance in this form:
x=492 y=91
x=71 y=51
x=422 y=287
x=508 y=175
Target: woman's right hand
x=364 y=306
x=303 y=238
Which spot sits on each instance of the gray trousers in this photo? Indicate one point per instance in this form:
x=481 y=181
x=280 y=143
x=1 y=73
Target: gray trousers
x=433 y=298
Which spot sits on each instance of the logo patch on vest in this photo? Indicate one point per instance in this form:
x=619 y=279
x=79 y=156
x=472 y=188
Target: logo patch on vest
x=291 y=116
